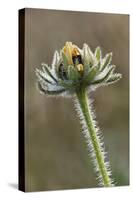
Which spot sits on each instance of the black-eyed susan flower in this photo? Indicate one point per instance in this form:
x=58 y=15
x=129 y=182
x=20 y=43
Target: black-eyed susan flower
x=73 y=68
x=73 y=72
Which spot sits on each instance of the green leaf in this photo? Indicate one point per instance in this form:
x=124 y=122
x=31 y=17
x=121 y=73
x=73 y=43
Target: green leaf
x=98 y=53
x=106 y=61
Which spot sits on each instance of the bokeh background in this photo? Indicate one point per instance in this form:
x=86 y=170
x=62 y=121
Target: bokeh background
x=55 y=150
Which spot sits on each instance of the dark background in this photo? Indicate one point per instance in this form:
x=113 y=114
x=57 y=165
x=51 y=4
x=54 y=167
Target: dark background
x=56 y=154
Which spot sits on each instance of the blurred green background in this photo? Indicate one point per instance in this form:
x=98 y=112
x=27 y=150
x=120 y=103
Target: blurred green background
x=55 y=150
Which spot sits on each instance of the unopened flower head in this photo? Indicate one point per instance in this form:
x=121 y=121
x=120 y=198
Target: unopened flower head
x=74 y=68
x=72 y=72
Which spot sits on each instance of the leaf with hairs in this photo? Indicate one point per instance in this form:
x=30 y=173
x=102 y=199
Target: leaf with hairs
x=50 y=92
x=104 y=76
x=73 y=73
x=114 y=78
x=98 y=53
x=106 y=61
x=47 y=70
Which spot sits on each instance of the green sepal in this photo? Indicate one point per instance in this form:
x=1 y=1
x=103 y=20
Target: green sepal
x=65 y=60
x=68 y=84
x=113 y=78
x=73 y=73
x=50 y=92
x=87 y=55
x=46 y=68
x=87 y=69
x=57 y=68
x=43 y=78
x=98 y=53
x=105 y=78
x=92 y=73
x=106 y=61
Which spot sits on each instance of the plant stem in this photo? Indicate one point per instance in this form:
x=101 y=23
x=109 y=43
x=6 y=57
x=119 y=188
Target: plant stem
x=98 y=153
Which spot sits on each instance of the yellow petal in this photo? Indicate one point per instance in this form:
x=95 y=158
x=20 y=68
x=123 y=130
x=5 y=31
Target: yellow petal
x=80 y=67
x=67 y=50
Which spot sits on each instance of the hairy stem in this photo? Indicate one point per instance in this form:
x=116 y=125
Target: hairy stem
x=97 y=150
